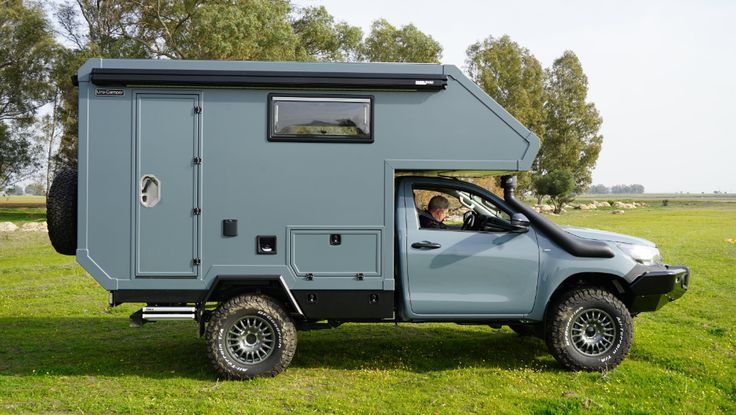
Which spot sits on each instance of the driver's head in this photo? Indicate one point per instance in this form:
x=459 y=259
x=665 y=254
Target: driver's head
x=437 y=207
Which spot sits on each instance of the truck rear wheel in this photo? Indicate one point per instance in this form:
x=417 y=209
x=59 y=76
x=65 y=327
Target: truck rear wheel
x=250 y=336
x=61 y=212
x=589 y=329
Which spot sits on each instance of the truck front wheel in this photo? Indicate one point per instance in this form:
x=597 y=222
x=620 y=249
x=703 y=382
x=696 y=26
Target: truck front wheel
x=250 y=336
x=589 y=329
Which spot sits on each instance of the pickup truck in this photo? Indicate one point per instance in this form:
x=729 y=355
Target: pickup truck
x=262 y=198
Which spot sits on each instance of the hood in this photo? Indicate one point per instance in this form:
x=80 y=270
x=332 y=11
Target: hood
x=599 y=235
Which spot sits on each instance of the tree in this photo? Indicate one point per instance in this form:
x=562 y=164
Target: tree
x=18 y=155
x=572 y=138
x=320 y=38
x=386 y=43
x=598 y=189
x=619 y=188
x=67 y=63
x=14 y=190
x=625 y=188
x=50 y=131
x=558 y=185
x=107 y=28
x=231 y=30
x=100 y=29
x=216 y=29
x=513 y=77
x=25 y=60
x=35 y=189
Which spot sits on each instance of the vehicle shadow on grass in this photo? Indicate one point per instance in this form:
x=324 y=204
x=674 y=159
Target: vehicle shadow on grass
x=106 y=346
x=420 y=348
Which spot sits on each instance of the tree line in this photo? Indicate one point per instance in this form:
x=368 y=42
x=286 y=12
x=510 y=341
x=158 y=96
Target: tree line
x=616 y=189
x=44 y=45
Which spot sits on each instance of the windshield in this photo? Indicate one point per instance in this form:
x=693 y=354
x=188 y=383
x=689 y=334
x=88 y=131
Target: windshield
x=481 y=206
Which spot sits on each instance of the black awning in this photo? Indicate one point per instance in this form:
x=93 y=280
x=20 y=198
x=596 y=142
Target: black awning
x=117 y=76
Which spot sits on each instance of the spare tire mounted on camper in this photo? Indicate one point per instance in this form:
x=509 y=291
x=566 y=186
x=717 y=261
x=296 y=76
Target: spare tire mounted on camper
x=61 y=212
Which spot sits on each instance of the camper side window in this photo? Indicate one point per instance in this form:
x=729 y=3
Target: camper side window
x=313 y=118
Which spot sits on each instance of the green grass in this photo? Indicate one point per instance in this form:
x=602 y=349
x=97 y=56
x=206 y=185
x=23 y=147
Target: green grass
x=22 y=214
x=62 y=350
x=713 y=197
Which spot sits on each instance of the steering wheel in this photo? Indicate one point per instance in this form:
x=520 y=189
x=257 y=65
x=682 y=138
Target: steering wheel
x=469 y=219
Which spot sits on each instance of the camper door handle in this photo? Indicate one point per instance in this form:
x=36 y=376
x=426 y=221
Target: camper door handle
x=426 y=245
x=150 y=190
x=146 y=182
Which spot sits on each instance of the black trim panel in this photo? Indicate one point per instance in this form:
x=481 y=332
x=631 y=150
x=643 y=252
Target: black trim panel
x=656 y=282
x=222 y=288
x=654 y=289
x=158 y=296
x=118 y=76
x=345 y=305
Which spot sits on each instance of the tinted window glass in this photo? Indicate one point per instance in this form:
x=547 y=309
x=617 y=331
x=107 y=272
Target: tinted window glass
x=488 y=216
x=320 y=118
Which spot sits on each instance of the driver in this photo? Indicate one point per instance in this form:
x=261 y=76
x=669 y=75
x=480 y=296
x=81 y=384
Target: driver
x=434 y=215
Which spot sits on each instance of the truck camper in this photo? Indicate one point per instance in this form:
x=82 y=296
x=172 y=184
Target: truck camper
x=262 y=198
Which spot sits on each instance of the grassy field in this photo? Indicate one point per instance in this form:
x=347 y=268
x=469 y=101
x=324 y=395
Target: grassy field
x=62 y=350
x=17 y=201
x=658 y=197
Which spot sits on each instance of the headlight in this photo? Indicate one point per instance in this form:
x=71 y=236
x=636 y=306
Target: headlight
x=645 y=255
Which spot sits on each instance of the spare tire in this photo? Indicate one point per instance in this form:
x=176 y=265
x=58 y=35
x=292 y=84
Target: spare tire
x=61 y=212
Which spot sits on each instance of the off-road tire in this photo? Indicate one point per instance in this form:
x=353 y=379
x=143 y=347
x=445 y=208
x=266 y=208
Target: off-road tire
x=528 y=330
x=61 y=212
x=230 y=313
x=570 y=308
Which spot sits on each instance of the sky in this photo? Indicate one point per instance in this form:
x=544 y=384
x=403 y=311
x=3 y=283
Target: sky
x=659 y=72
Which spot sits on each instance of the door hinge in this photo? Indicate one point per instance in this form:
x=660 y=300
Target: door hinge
x=197 y=160
x=197 y=109
x=196 y=261
x=197 y=211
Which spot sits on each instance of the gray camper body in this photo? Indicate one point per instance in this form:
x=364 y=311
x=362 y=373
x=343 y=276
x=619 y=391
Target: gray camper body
x=299 y=192
x=191 y=191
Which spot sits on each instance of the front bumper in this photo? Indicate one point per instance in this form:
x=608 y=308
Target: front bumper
x=653 y=289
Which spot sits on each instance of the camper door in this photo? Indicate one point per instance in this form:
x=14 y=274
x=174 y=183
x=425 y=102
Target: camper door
x=166 y=184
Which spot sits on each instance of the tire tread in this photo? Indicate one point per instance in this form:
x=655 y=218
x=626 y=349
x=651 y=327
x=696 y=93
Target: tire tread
x=555 y=334
x=61 y=212
x=248 y=301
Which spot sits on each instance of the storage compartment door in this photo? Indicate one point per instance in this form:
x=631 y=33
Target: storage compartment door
x=166 y=185
x=336 y=252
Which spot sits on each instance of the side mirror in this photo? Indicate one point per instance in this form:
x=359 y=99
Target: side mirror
x=519 y=222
